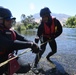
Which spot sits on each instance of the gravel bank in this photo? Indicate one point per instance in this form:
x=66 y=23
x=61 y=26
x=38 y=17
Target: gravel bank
x=65 y=65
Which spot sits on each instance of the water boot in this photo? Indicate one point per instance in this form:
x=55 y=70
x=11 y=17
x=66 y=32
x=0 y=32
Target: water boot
x=51 y=63
x=35 y=70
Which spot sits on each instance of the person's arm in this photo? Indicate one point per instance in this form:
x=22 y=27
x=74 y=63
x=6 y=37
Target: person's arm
x=17 y=45
x=39 y=33
x=59 y=28
x=10 y=46
x=40 y=30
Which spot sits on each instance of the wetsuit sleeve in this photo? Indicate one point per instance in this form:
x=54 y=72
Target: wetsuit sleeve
x=59 y=28
x=17 y=45
x=9 y=45
x=40 y=30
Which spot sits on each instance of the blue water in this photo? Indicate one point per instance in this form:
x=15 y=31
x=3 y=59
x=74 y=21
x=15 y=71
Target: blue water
x=66 y=43
x=65 y=58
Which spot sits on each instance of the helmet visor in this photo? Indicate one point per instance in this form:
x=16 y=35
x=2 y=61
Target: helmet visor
x=10 y=18
x=13 y=20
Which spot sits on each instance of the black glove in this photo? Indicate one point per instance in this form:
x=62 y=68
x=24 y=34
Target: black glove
x=35 y=48
x=41 y=38
x=36 y=39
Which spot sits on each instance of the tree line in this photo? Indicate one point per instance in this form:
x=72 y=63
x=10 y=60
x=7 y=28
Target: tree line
x=28 y=22
x=71 y=22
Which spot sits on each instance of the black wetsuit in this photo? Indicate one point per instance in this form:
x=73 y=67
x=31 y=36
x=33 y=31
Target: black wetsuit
x=52 y=43
x=8 y=45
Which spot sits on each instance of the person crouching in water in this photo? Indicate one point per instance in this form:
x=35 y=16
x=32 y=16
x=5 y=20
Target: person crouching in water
x=10 y=40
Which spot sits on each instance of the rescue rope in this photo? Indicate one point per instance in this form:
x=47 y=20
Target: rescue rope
x=45 y=42
x=5 y=62
x=27 y=50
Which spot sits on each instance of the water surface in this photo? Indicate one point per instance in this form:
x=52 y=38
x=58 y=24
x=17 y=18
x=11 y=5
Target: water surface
x=65 y=58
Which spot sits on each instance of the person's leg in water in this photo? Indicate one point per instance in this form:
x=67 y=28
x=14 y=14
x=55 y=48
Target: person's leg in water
x=38 y=56
x=53 y=46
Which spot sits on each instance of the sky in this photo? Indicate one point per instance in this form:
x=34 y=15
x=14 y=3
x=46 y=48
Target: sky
x=31 y=7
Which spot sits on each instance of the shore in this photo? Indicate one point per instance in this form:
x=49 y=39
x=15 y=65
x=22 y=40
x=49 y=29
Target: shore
x=65 y=65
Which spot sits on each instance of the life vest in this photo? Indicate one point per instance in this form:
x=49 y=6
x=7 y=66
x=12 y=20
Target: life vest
x=49 y=30
x=13 y=37
x=13 y=65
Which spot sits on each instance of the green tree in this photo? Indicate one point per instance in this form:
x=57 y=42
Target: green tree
x=29 y=21
x=23 y=19
x=71 y=22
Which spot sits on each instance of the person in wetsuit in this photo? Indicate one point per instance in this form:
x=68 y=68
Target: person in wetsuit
x=49 y=29
x=10 y=40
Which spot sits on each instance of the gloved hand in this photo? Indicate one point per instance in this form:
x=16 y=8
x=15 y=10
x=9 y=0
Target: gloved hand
x=35 y=48
x=41 y=38
x=45 y=37
x=36 y=39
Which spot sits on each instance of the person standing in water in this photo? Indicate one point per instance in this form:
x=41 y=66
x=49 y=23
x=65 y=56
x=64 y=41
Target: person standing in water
x=49 y=29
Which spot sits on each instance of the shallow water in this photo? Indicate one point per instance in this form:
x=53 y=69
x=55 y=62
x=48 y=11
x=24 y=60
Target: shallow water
x=66 y=42
x=66 y=50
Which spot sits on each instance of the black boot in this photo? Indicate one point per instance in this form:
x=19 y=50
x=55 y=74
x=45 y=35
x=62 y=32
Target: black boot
x=49 y=59
x=35 y=70
x=51 y=62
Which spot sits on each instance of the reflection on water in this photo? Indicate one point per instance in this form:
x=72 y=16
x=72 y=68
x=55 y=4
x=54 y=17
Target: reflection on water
x=30 y=32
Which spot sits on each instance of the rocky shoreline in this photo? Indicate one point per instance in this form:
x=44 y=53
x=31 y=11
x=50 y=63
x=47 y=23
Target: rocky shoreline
x=65 y=65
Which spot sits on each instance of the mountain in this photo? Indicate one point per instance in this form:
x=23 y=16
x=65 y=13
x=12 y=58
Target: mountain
x=61 y=17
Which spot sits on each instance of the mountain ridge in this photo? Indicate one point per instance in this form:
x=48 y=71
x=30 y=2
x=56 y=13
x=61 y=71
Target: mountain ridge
x=61 y=17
